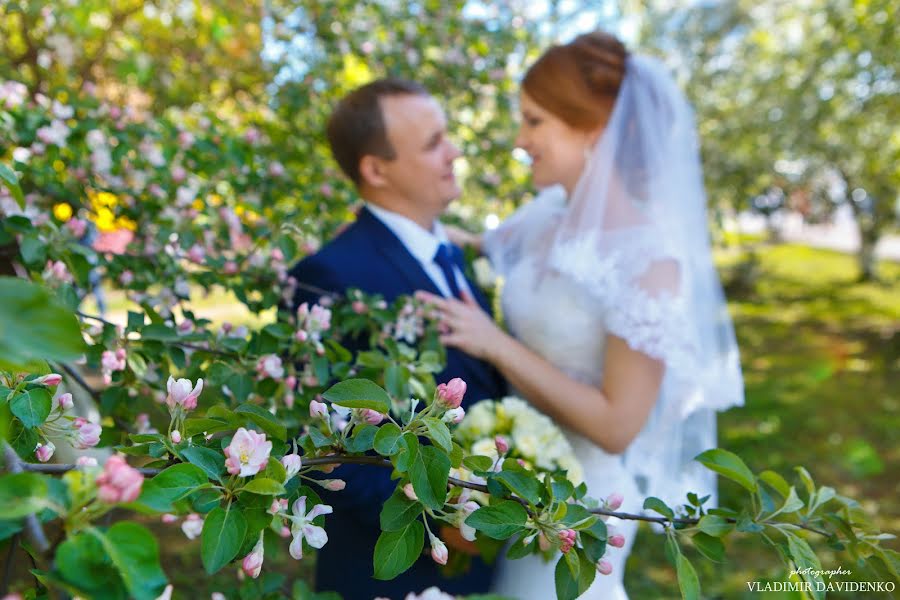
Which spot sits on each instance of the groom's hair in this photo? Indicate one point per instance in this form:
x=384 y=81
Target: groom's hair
x=356 y=127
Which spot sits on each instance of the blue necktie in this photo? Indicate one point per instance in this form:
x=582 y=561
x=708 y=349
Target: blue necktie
x=444 y=259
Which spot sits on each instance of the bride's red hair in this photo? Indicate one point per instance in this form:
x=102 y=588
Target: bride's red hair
x=579 y=81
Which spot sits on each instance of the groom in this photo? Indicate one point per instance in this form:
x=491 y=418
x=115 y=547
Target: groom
x=390 y=138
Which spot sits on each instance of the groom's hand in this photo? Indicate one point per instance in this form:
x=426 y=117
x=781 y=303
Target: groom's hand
x=454 y=539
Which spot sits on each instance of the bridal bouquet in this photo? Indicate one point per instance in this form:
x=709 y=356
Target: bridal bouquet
x=522 y=432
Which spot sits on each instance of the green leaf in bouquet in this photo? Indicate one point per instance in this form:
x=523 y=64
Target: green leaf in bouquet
x=439 y=433
x=657 y=505
x=264 y=420
x=687 y=578
x=264 y=487
x=211 y=461
x=499 y=521
x=728 y=465
x=134 y=552
x=223 y=533
x=359 y=393
x=429 y=471
x=477 y=463
x=522 y=483
x=709 y=546
x=32 y=406
x=386 y=439
x=399 y=511
x=396 y=551
x=171 y=485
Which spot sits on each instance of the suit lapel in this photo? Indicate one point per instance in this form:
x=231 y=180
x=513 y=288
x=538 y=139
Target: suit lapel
x=393 y=249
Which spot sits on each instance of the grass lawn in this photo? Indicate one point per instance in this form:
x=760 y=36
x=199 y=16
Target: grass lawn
x=821 y=359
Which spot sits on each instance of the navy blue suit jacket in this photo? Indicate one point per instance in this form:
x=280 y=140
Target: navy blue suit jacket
x=368 y=256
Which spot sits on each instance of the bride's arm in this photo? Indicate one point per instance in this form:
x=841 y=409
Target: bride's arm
x=610 y=416
x=463 y=238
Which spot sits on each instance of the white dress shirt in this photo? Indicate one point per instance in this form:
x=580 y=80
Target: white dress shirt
x=423 y=245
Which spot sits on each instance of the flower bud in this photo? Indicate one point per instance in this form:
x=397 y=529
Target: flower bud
x=318 y=410
x=192 y=526
x=438 y=550
x=292 y=464
x=614 y=501
x=253 y=562
x=616 y=541
x=50 y=379
x=65 y=402
x=502 y=444
x=566 y=540
x=169 y=518
x=175 y=436
x=410 y=492
x=334 y=485
x=86 y=461
x=370 y=416
x=604 y=567
x=451 y=394
x=454 y=415
x=43 y=452
x=85 y=434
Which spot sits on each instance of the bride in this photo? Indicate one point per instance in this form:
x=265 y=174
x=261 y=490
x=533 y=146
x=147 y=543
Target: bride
x=619 y=329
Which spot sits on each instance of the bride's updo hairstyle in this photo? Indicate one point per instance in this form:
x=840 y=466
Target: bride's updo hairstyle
x=579 y=81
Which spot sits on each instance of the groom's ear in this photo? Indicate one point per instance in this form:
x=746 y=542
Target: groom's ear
x=371 y=171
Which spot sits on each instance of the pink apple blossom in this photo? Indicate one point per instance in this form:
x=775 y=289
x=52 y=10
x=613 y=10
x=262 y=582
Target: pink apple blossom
x=248 y=453
x=450 y=394
x=175 y=436
x=270 y=366
x=614 y=501
x=50 y=379
x=253 y=562
x=85 y=434
x=467 y=531
x=302 y=527
x=501 y=444
x=64 y=402
x=438 y=549
x=181 y=394
x=604 y=567
x=359 y=307
x=126 y=278
x=119 y=482
x=318 y=410
x=333 y=485
x=292 y=464
x=454 y=415
x=86 y=461
x=566 y=540
x=192 y=526
x=410 y=492
x=169 y=518
x=77 y=227
x=44 y=452
x=370 y=416
x=616 y=540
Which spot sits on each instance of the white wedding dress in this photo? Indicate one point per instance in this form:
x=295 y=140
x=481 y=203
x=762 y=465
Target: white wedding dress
x=550 y=315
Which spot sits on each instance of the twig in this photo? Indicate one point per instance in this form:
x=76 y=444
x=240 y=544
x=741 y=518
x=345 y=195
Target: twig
x=7 y=567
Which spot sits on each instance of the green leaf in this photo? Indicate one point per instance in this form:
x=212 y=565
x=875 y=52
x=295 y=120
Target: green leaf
x=408 y=451
x=791 y=504
x=709 y=546
x=319 y=439
x=362 y=439
x=687 y=579
x=429 y=471
x=33 y=327
x=807 y=480
x=397 y=551
x=240 y=385
x=807 y=564
x=135 y=554
x=777 y=482
x=264 y=420
x=173 y=484
x=212 y=462
x=657 y=505
x=593 y=539
x=32 y=407
x=203 y=425
x=499 y=521
x=22 y=494
x=82 y=561
x=386 y=439
x=359 y=393
x=439 y=433
x=714 y=525
x=573 y=575
x=223 y=533
x=266 y=487
x=728 y=465
x=521 y=483
x=158 y=332
x=478 y=463
x=8 y=176
x=399 y=511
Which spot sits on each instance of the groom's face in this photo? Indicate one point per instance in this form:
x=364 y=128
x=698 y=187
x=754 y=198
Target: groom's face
x=421 y=174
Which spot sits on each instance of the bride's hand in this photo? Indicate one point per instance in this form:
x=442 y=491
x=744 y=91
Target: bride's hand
x=463 y=238
x=467 y=326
